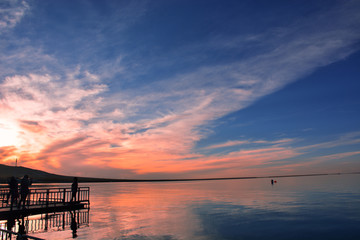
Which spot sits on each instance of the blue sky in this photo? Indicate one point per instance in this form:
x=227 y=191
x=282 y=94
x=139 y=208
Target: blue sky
x=149 y=89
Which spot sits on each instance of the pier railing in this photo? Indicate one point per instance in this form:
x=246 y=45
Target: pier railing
x=46 y=197
x=8 y=235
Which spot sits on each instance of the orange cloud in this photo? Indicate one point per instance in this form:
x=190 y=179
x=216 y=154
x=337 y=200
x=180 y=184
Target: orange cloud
x=32 y=126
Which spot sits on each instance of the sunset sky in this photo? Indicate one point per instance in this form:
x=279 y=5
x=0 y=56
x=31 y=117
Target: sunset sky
x=180 y=89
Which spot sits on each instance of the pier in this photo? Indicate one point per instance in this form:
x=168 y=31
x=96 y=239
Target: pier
x=46 y=207
x=45 y=200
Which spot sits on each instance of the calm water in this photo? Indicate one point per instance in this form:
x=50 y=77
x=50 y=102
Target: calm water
x=323 y=207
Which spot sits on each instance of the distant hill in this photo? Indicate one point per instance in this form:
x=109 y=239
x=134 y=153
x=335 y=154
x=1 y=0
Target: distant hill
x=41 y=176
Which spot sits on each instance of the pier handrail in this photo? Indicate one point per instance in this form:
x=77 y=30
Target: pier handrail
x=20 y=236
x=48 y=196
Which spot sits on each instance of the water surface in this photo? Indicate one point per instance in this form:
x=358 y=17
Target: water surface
x=322 y=207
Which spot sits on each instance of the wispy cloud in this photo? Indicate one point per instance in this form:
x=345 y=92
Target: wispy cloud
x=243 y=142
x=336 y=156
x=220 y=89
x=11 y=13
x=345 y=140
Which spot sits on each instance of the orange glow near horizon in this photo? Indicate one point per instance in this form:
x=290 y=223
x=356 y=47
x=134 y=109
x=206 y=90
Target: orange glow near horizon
x=96 y=157
x=52 y=134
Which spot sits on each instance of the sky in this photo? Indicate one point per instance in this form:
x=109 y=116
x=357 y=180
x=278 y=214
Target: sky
x=180 y=89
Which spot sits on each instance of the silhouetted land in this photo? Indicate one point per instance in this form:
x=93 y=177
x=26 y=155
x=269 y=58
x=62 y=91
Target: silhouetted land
x=43 y=177
x=38 y=176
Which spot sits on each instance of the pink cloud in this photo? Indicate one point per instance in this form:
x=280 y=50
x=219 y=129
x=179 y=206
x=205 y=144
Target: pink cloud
x=227 y=144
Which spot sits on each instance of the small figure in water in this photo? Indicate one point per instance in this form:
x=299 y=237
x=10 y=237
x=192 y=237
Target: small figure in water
x=272 y=181
x=74 y=189
x=24 y=190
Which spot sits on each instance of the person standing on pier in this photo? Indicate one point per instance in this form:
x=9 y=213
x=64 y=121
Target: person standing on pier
x=24 y=190
x=13 y=191
x=74 y=189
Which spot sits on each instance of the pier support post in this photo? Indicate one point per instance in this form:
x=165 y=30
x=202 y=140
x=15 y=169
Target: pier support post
x=64 y=195
x=47 y=197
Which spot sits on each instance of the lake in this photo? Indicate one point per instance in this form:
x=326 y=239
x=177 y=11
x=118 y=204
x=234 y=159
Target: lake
x=316 y=207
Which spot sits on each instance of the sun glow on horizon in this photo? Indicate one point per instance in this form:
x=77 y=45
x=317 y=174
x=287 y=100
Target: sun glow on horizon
x=9 y=133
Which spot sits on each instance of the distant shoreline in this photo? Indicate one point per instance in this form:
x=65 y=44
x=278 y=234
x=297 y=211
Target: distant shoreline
x=229 y=178
x=39 y=176
x=107 y=180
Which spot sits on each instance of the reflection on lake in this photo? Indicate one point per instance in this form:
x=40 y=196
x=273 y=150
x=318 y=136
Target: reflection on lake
x=323 y=207
x=47 y=222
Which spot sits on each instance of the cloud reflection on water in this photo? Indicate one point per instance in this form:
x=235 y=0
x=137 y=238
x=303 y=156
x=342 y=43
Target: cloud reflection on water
x=293 y=208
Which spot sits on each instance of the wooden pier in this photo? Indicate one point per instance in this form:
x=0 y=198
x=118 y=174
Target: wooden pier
x=45 y=200
x=49 y=204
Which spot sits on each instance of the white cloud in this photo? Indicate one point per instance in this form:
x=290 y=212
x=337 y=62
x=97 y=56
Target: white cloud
x=48 y=106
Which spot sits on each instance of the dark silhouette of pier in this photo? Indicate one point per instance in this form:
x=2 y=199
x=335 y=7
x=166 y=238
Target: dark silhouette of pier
x=51 y=204
x=59 y=221
x=46 y=200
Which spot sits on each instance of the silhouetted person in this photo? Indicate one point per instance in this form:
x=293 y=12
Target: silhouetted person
x=73 y=225
x=13 y=191
x=8 y=195
x=74 y=189
x=272 y=181
x=24 y=190
x=9 y=182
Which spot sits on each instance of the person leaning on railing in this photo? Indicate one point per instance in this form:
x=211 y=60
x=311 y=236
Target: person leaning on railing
x=24 y=190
